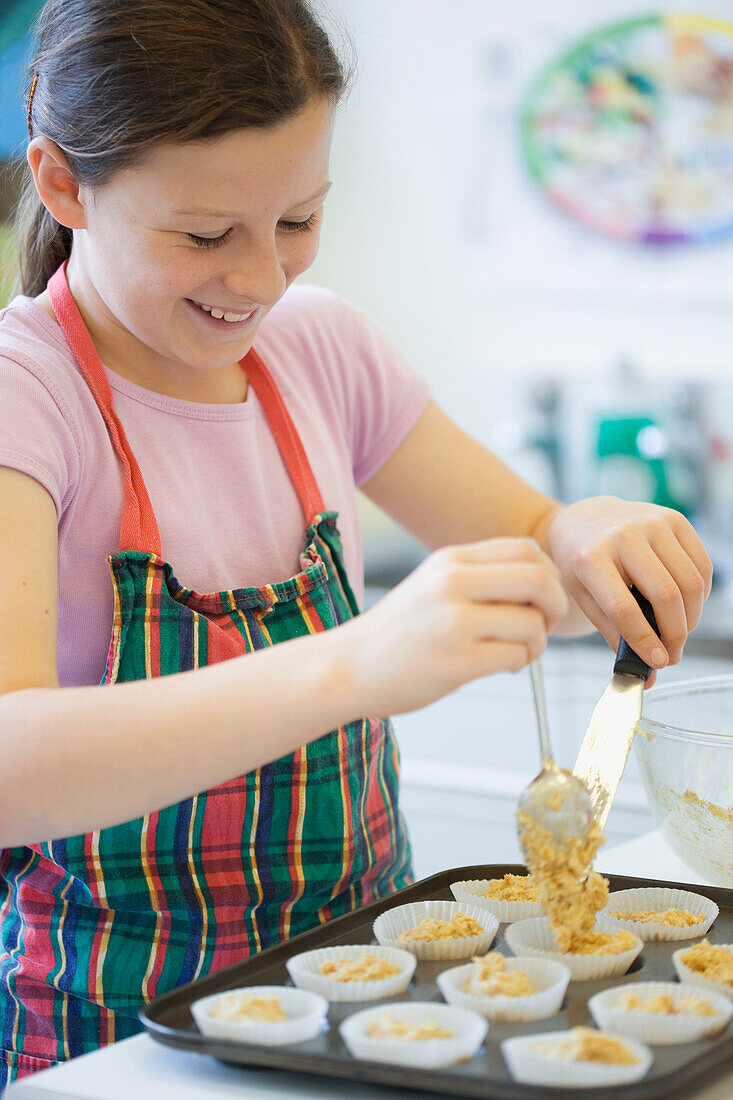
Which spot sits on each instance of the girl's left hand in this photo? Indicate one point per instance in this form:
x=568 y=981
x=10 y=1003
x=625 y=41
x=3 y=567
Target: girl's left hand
x=603 y=545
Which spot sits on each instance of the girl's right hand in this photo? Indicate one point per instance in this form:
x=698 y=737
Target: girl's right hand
x=465 y=612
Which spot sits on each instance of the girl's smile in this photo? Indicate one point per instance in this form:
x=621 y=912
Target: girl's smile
x=222 y=319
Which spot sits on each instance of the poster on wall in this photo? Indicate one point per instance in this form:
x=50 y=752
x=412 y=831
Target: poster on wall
x=630 y=130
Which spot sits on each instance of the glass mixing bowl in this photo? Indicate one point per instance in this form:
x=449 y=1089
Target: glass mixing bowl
x=684 y=745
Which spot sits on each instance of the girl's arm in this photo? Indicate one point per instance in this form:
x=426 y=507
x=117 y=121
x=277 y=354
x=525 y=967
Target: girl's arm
x=443 y=486
x=77 y=759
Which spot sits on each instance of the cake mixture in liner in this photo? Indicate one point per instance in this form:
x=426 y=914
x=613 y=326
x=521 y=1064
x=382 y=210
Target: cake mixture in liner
x=709 y=966
x=306 y=972
x=462 y=1034
x=404 y=919
x=674 y=906
x=472 y=892
x=529 y=1062
x=696 y=1014
x=549 y=978
x=305 y=1014
x=535 y=938
x=570 y=892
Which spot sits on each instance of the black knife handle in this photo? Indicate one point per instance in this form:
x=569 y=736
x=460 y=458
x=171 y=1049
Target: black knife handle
x=628 y=662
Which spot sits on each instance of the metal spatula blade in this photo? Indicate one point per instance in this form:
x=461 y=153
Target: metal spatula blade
x=605 y=749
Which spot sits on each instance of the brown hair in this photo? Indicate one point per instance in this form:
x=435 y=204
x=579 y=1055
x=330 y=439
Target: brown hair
x=115 y=77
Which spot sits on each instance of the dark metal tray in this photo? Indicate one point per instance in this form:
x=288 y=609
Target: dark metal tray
x=169 y=1020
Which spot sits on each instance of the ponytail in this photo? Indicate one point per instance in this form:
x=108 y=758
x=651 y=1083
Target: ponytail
x=43 y=244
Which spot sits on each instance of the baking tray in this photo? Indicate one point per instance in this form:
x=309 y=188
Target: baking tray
x=168 y=1018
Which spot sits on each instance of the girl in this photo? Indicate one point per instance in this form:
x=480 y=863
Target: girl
x=172 y=409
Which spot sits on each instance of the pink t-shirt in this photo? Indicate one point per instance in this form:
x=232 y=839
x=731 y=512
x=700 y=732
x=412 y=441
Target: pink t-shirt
x=228 y=514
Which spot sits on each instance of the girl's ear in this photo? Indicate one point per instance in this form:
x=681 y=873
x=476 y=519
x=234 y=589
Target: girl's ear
x=57 y=187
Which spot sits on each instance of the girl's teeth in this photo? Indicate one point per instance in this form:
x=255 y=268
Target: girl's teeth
x=218 y=313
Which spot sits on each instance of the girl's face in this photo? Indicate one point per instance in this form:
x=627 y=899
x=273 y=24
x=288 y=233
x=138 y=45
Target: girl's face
x=222 y=225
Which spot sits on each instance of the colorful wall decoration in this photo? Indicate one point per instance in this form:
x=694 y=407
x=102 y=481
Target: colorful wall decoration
x=631 y=129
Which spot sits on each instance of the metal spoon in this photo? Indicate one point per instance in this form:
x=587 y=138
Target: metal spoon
x=556 y=799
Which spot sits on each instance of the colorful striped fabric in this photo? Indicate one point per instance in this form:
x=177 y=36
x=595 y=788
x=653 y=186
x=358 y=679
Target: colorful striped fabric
x=93 y=926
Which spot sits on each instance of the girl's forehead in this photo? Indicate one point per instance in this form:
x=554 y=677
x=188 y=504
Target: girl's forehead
x=286 y=162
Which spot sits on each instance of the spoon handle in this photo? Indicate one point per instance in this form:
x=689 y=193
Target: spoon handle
x=540 y=703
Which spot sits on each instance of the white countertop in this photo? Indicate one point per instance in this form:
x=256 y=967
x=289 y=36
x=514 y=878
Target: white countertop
x=142 y=1068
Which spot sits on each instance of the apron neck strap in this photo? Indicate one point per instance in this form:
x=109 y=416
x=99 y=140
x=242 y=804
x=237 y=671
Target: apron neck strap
x=286 y=435
x=138 y=528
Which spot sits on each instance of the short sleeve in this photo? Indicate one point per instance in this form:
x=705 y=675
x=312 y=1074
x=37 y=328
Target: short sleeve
x=37 y=435
x=385 y=395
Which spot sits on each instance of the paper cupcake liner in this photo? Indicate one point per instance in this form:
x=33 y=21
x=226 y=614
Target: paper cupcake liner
x=691 y=977
x=652 y=1027
x=550 y=978
x=470 y=892
x=530 y=1066
x=469 y=1032
x=535 y=938
x=657 y=899
x=306 y=1011
x=390 y=926
x=305 y=972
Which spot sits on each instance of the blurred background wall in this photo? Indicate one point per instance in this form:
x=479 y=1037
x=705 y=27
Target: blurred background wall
x=531 y=326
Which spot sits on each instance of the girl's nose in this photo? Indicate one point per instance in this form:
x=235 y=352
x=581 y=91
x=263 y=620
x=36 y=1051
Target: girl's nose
x=257 y=275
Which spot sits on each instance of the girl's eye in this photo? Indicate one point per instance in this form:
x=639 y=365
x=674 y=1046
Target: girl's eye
x=217 y=242
x=298 y=227
x=210 y=242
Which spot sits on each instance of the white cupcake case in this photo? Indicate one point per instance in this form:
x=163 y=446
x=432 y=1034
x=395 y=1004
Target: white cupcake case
x=390 y=925
x=657 y=899
x=535 y=938
x=306 y=1014
x=304 y=970
x=470 y=892
x=468 y=1027
x=691 y=977
x=528 y=1065
x=653 y=1027
x=550 y=978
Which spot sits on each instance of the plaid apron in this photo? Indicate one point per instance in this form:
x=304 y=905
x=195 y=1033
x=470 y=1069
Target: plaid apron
x=93 y=926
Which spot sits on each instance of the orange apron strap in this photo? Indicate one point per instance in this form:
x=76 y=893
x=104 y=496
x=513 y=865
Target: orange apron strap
x=286 y=434
x=138 y=529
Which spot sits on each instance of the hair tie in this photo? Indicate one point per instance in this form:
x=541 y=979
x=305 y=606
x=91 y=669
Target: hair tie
x=30 y=105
